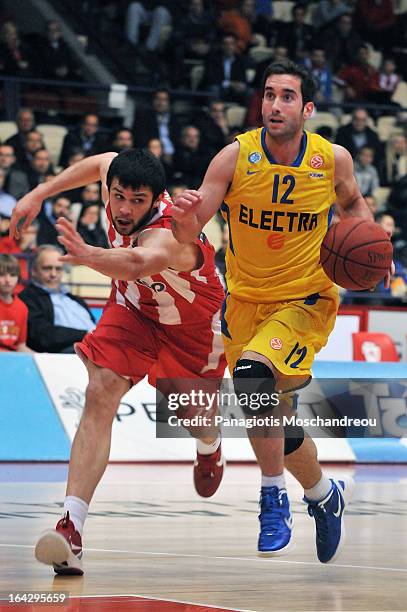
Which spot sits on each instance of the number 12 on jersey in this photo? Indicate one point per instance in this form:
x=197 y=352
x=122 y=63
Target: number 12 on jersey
x=288 y=180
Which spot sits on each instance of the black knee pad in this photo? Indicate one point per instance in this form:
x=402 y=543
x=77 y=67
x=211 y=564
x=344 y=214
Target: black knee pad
x=293 y=438
x=252 y=379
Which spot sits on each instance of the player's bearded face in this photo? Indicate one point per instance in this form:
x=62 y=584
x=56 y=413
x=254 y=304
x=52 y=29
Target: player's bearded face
x=282 y=107
x=131 y=208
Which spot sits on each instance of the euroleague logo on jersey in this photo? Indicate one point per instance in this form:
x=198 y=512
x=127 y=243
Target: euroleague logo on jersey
x=276 y=344
x=317 y=161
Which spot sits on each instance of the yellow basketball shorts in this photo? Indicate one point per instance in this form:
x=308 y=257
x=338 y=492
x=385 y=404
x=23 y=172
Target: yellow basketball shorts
x=288 y=333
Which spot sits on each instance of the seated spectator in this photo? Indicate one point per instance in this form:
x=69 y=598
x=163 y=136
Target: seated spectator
x=7 y=202
x=213 y=126
x=365 y=173
x=156 y=148
x=316 y=64
x=52 y=210
x=23 y=249
x=388 y=77
x=16 y=181
x=341 y=42
x=398 y=285
x=327 y=11
x=75 y=156
x=190 y=161
x=16 y=57
x=122 y=140
x=155 y=14
x=396 y=158
x=86 y=138
x=33 y=142
x=358 y=134
x=157 y=121
x=13 y=312
x=360 y=78
x=56 y=58
x=225 y=72
x=297 y=35
x=239 y=22
x=375 y=21
x=396 y=203
x=56 y=319
x=25 y=123
x=41 y=168
x=90 y=227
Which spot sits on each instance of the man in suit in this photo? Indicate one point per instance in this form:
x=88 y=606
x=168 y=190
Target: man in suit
x=56 y=319
x=358 y=134
x=225 y=76
x=87 y=139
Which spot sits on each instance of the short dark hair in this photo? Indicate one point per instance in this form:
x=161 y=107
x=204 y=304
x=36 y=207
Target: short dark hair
x=308 y=84
x=9 y=265
x=136 y=167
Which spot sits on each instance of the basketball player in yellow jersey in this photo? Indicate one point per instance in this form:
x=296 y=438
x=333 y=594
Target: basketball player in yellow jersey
x=275 y=186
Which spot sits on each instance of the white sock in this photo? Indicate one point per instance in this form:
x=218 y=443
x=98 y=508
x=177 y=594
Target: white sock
x=320 y=490
x=208 y=449
x=78 y=511
x=273 y=481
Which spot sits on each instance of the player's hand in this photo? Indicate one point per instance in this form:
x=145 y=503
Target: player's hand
x=186 y=204
x=24 y=214
x=77 y=249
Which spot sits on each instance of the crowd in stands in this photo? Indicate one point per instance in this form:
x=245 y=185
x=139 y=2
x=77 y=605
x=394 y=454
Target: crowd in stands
x=333 y=38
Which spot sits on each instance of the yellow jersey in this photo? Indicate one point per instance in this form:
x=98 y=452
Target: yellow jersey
x=278 y=216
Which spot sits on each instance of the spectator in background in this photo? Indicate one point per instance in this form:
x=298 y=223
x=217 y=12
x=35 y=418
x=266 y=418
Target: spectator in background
x=90 y=228
x=213 y=126
x=13 y=312
x=56 y=57
x=25 y=123
x=23 y=249
x=52 y=211
x=316 y=64
x=16 y=57
x=154 y=13
x=360 y=78
x=75 y=156
x=396 y=158
x=156 y=148
x=297 y=35
x=16 y=181
x=56 y=319
x=41 y=168
x=388 y=79
x=358 y=134
x=327 y=11
x=375 y=21
x=225 y=72
x=122 y=140
x=86 y=138
x=190 y=161
x=239 y=22
x=326 y=132
x=341 y=42
x=7 y=202
x=365 y=173
x=398 y=285
x=157 y=122
x=32 y=143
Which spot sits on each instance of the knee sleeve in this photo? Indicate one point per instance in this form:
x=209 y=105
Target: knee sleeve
x=252 y=379
x=293 y=438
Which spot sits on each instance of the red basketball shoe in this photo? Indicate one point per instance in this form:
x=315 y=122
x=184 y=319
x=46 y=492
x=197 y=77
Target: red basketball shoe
x=62 y=548
x=208 y=472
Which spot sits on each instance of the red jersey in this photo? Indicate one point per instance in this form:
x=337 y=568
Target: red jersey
x=13 y=324
x=171 y=297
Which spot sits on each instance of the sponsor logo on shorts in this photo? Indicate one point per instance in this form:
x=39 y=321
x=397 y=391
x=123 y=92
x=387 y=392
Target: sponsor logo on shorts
x=317 y=161
x=276 y=344
x=255 y=157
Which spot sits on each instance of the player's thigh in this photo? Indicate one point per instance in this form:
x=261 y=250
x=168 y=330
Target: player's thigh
x=239 y=320
x=290 y=337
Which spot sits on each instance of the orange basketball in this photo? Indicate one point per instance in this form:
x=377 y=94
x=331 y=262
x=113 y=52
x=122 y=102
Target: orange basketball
x=356 y=253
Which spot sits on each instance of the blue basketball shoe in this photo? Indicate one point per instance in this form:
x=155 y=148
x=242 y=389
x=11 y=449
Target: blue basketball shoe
x=328 y=515
x=275 y=522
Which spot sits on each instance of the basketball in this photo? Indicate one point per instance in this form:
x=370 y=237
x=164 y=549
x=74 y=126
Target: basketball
x=356 y=253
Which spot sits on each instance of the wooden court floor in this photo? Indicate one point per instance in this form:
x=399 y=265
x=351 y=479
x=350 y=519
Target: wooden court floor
x=152 y=545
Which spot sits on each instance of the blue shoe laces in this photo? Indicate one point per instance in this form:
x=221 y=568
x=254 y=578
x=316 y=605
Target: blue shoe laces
x=271 y=510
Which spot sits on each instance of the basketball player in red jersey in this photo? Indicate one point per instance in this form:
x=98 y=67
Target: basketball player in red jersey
x=162 y=319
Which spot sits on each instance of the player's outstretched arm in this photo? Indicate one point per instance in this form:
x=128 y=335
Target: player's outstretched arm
x=192 y=209
x=350 y=201
x=158 y=251
x=86 y=171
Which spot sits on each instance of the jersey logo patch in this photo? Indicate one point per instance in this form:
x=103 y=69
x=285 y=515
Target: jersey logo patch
x=317 y=161
x=276 y=344
x=317 y=175
x=255 y=157
x=275 y=241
